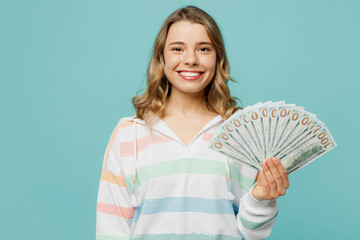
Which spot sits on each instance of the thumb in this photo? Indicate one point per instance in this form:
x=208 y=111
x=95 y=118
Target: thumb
x=262 y=179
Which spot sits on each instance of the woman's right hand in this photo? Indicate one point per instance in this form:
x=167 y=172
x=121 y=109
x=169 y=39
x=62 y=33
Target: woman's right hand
x=272 y=180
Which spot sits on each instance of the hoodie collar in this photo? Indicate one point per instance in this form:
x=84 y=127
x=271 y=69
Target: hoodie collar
x=162 y=127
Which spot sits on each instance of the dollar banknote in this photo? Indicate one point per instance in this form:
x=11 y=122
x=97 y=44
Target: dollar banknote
x=273 y=129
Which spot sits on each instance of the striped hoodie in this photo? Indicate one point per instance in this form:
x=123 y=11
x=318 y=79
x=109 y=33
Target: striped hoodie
x=154 y=187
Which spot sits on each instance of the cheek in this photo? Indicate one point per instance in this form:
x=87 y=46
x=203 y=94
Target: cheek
x=213 y=70
x=213 y=62
x=169 y=69
x=210 y=62
x=212 y=66
x=170 y=60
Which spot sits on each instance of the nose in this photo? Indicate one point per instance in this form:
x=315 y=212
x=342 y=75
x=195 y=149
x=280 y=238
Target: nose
x=190 y=58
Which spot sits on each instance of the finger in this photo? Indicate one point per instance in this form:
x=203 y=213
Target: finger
x=276 y=175
x=269 y=178
x=263 y=182
x=282 y=172
x=257 y=176
x=261 y=192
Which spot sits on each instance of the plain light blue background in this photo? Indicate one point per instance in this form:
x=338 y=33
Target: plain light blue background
x=68 y=70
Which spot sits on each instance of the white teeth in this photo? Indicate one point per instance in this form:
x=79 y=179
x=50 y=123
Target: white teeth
x=190 y=74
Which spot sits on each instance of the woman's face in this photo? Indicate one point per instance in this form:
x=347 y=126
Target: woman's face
x=190 y=57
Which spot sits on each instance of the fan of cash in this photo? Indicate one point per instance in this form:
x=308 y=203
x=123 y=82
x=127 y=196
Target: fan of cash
x=273 y=129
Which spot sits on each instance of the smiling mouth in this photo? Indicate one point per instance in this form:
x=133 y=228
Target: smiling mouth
x=190 y=76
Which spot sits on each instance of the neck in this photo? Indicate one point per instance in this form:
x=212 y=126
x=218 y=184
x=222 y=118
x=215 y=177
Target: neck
x=185 y=105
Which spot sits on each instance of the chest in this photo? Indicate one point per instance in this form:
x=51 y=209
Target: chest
x=172 y=170
x=166 y=167
x=186 y=130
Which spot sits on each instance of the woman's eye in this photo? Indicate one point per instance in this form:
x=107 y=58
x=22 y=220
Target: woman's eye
x=204 y=49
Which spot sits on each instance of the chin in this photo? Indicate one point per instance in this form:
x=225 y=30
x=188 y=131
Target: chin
x=189 y=87
x=191 y=90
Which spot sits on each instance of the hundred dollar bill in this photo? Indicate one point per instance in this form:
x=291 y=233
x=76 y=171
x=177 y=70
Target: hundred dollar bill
x=244 y=119
x=306 y=123
x=319 y=144
x=234 y=141
x=291 y=124
x=241 y=127
x=226 y=139
x=273 y=129
x=302 y=138
x=255 y=123
x=273 y=112
x=218 y=146
x=264 y=119
x=241 y=144
x=280 y=120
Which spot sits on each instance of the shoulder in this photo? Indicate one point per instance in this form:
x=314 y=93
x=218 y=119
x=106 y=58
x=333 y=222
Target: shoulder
x=123 y=128
x=128 y=129
x=126 y=123
x=121 y=146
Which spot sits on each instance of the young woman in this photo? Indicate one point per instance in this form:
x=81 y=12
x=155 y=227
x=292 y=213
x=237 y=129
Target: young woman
x=159 y=178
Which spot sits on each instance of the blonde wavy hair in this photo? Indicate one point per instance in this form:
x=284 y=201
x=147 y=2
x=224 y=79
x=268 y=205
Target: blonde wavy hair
x=152 y=103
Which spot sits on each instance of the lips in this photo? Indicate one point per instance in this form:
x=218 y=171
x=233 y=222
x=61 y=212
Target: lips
x=191 y=78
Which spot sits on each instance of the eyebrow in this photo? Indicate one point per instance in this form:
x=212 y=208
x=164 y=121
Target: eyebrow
x=199 y=43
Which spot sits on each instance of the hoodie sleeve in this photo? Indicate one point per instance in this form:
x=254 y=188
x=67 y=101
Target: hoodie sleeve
x=256 y=218
x=114 y=211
